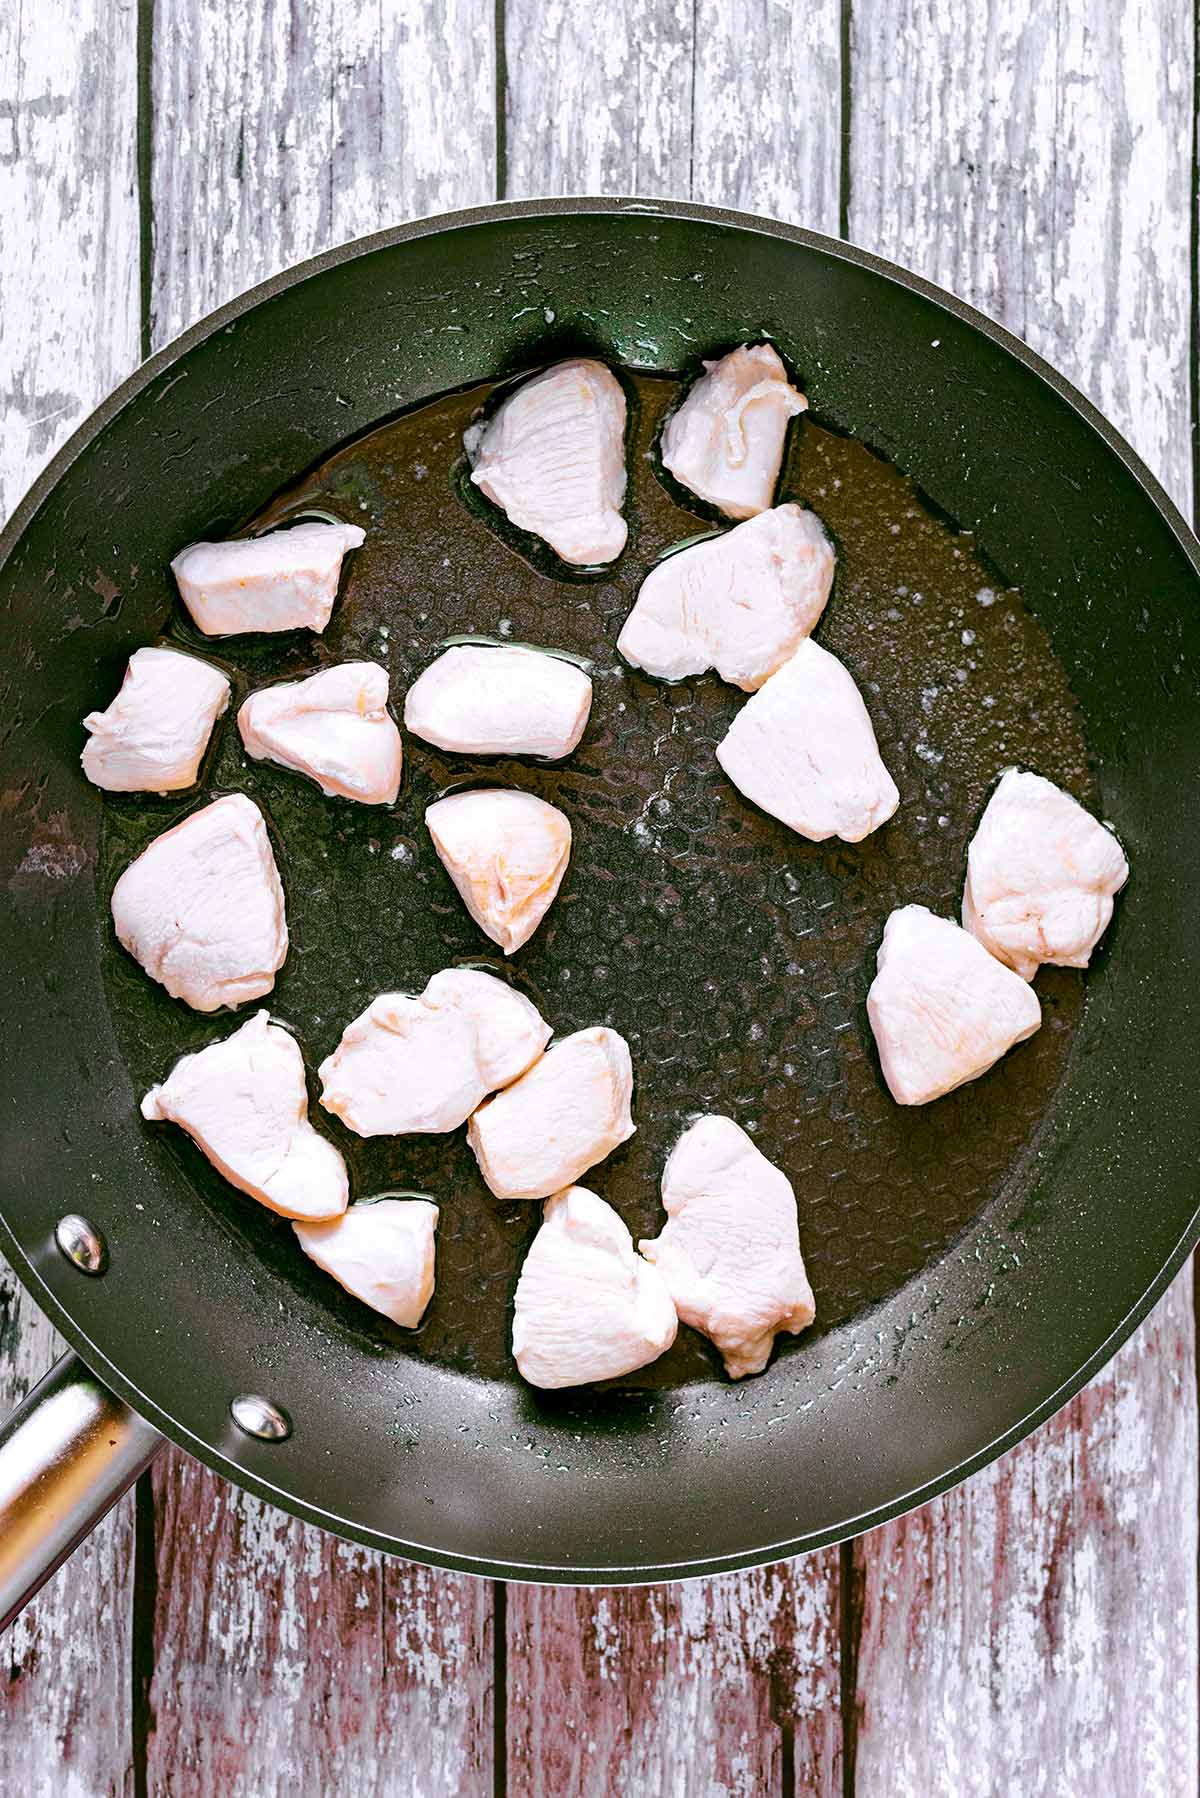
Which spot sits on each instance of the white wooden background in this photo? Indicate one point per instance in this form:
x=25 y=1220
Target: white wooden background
x=1035 y=1631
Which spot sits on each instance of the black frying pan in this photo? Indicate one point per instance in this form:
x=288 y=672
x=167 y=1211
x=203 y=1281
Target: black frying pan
x=974 y=1263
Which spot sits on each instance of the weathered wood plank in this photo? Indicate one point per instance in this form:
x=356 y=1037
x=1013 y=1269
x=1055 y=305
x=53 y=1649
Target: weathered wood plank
x=724 y=1685
x=69 y=317
x=289 y=1662
x=727 y=1685
x=599 y=97
x=766 y=130
x=69 y=330
x=283 y=1661
x=279 y=133
x=738 y=106
x=1038 y=164
x=1045 y=1611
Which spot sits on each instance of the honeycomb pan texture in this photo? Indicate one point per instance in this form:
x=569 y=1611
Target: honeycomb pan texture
x=734 y=956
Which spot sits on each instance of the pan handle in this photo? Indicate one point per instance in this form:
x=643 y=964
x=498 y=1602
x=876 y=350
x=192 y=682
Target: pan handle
x=66 y=1456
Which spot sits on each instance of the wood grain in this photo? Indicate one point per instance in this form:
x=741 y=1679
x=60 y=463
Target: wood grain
x=69 y=320
x=289 y=1662
x=599 y=97
x=285 y=1662
x=1039 y=165
x=69 y=330
x=1046 y=1613
x=279 y=132
x=728 y=1685
x=766 y=131
x=735 y=105
x=724 y=1686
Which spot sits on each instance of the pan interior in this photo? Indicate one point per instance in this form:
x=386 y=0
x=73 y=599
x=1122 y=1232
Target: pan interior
x=733 y=955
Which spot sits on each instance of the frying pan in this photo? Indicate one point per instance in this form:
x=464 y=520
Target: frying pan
x=940 y=1343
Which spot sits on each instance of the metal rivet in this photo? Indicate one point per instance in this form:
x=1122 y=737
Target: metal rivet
x=257 y=1416
x=81 y=1243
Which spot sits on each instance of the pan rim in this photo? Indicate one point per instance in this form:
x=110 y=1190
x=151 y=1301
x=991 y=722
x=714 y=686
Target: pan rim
x=547 y=1571
x=436 y=224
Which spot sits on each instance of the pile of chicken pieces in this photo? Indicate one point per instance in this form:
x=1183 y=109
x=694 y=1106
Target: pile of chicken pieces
x=202 y=908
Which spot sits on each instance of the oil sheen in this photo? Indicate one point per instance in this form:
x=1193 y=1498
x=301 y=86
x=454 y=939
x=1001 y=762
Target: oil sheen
x=734 y=956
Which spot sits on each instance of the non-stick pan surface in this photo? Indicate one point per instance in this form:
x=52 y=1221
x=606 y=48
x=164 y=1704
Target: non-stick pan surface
x=973 y=1262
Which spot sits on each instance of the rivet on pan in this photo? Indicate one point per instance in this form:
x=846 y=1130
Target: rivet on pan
x=81 y=1243
x=257 y=1416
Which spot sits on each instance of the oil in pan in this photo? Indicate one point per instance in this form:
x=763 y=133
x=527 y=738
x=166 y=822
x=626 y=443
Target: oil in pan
x=733 y=955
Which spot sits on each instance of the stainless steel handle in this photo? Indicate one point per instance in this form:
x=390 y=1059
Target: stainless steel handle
x=66 y=1456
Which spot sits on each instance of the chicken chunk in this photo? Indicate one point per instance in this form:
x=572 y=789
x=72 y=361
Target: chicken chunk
x=1041 y=876
x=741 y=603
x=943 y=1010
x=244 y=1102
x=587 y=1307
x=506 y=852
x=567 y=1113
x=403 y=1068
x=803 y=749
x=202 y=907
x=154 y=734
x=725 y=442
x=333 y=727
x=479 y=700
x=510 y=1032
x=382 y=1252
x=730 y=1249
x=285 y=580
x=420 y=1066
x=553 y=459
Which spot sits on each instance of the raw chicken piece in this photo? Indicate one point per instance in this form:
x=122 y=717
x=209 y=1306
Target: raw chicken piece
x=506 y=852
x=587 y=1307
x=284 y=581
x=553 y=459
x=726 y=440
x=510 y=1031
x=381 y=1252
x=416 y=1066
x=567 y=1113
x=153 y=735
x=245 y=1103
x=202 y=908
x=502 y=701
x=803 y=748
x=730 y=1250
x=403 y=1067
x=740 y=603
x=1041 y=875
x=334 y=727
x=943 y=1010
